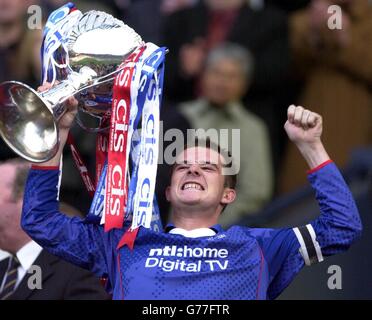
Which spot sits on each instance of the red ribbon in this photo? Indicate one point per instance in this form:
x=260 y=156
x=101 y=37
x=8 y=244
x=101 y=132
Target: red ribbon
x=116 y=183
x=83 y=170
x=128 y=239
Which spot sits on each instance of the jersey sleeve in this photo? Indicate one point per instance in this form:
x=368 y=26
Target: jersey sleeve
x=72 y=239
x=339 y=224
x=286 y=251
x=280 y=250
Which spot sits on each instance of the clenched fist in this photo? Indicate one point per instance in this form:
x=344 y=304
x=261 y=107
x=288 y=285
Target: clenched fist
x=303 y=126
x=304 y=129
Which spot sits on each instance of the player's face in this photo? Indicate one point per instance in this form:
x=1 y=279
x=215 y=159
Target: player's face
x=197 y=179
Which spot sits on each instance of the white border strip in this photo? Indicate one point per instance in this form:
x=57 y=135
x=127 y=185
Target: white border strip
x=60 y=176
x=303 y=249
x=316 y=244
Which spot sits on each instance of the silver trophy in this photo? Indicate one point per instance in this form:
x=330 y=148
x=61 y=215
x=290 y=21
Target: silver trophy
x=94 y=46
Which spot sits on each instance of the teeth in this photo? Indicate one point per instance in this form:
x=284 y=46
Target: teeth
x=192 y=186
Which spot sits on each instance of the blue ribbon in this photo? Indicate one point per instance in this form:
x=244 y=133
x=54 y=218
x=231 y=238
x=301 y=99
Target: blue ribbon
x=96 y=207
x=148 y=73
x=55 y=17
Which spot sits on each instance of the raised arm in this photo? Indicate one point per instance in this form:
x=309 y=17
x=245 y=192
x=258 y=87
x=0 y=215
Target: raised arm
x=338 y=209
x=338 y=226
x=69 y=238
x=339 y=223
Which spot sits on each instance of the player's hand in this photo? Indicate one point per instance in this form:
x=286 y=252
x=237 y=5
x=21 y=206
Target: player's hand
x=303 y=126
x=71 y=104
x=64 y=125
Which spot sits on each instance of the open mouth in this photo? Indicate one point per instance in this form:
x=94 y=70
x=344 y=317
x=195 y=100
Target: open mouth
x=192 y=186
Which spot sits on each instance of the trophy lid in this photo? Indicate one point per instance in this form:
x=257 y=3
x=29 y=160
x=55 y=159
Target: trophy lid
x=98 y=33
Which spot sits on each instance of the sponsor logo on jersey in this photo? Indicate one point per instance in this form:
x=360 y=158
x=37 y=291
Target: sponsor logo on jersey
x=187 y=259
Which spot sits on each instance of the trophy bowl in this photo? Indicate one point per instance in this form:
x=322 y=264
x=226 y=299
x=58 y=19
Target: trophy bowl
x=85 y=63
x=26 y=122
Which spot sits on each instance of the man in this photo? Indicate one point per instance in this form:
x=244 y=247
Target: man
x=192 y=32
x=195 y=258
x=227 y=75
x=19 y=273
x=336 y=66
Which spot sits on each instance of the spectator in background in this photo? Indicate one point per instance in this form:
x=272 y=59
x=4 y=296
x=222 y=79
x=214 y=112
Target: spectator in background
x=19 y=46
x=337 y=67
x=287 y=5
x=147 y=16
x=83 y=5
x=192 y=32
x=224 y=81
x=60 y=280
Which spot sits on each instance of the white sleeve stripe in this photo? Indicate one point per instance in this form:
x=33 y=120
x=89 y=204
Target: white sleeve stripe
x=316 y=244
x=303 y=249
x=59 y=177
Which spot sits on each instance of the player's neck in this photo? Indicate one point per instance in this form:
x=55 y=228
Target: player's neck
x=188 y=221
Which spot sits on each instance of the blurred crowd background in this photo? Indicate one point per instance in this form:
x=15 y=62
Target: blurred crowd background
x=238 y=64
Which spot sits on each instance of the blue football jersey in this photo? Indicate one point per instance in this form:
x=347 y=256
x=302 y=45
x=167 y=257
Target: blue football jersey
x=238 y=263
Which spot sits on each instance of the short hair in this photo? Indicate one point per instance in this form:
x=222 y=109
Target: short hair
x=234 y=52
x=230 y=179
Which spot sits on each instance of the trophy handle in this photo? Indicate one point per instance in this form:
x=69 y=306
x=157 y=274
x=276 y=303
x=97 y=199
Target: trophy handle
x=27 y=122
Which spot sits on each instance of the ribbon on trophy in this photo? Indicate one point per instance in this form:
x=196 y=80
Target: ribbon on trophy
x=117 y=170
x=141 y=200
x=142 y=148
x=55 y=31
x=126 y=156
x=80 y=164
